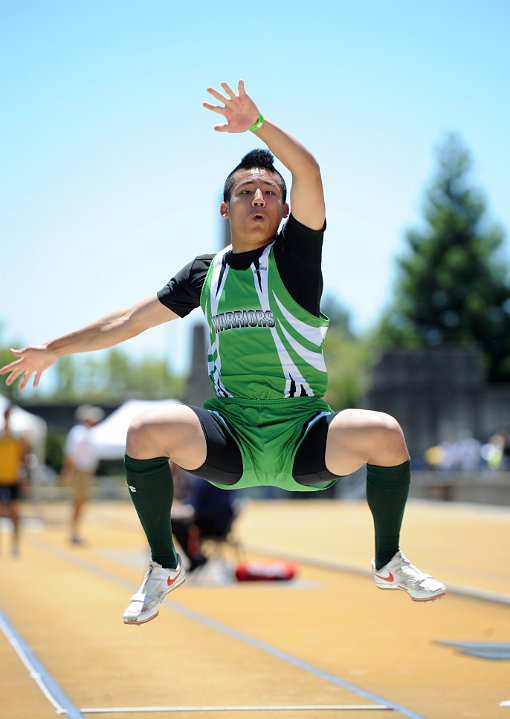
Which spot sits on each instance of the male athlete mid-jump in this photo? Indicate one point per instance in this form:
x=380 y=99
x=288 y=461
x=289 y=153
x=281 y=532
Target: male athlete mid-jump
x=267 y=423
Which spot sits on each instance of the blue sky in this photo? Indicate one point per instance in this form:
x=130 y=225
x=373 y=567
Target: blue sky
x=111 y=171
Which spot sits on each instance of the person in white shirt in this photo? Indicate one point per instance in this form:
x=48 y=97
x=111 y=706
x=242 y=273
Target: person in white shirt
x=80 y=464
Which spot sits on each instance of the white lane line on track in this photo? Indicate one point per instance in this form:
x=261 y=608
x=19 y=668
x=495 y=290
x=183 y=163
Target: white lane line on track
x=38 y=673
x=275 y=708
x=229 y=631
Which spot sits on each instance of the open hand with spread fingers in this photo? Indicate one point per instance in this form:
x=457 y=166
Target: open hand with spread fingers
x=31 y=361
x=240 y=111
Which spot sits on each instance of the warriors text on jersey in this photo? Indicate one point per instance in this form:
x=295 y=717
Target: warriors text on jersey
x=267 y=313
x=263 y=344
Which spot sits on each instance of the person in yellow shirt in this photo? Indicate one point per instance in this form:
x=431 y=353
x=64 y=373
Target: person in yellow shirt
x=13 y=463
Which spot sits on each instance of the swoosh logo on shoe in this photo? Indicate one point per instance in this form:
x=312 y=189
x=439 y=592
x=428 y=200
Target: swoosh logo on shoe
x=389 y=578
x=170 y=581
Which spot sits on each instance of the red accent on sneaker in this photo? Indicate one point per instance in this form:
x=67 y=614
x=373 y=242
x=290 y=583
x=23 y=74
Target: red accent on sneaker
x=170 y=581
x=389 y=578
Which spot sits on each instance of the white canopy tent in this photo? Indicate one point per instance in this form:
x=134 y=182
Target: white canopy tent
x=109 y=436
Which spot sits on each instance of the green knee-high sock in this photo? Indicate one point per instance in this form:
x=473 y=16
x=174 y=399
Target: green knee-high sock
x=152 y=491
x=387 y=490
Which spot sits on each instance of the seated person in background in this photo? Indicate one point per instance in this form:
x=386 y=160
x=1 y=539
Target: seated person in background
x=207 y=511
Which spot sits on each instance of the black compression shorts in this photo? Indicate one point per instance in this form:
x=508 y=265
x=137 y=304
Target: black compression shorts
x=224 y=465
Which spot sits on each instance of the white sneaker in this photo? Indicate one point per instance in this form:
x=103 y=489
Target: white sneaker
x=399 y=573
x=158 y=581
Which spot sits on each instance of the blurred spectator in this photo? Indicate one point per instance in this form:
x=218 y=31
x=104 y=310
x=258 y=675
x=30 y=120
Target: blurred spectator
x=80 y=464
x=470 y=453
x=207 y=511
x=14 y=474
x=462 y=454
x=496 y=452
x=433 y=457
x=506 y=451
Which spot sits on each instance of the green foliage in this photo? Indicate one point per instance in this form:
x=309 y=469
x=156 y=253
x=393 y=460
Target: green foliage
x=346 y=357
x=55 y=443
x=339 y=316
x=11 y=392
x=114 y=376
x=347 y=362
x=452 y=281
x=67 y=375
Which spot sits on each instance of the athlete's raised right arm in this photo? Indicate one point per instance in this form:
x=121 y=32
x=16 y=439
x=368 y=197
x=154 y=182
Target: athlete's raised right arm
x=106 y=332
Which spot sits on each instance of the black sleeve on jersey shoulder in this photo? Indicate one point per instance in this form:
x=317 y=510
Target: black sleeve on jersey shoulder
x=301 y=240
x=298 y=255
x=181 y=294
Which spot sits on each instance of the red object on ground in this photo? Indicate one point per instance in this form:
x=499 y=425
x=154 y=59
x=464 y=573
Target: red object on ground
x=265 y=571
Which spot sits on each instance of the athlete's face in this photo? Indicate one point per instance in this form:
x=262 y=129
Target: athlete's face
x=255 y=208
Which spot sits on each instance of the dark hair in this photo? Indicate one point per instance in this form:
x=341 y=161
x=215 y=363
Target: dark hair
x=261 y=159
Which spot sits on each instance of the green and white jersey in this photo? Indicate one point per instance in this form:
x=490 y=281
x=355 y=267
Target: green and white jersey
x=263 y=344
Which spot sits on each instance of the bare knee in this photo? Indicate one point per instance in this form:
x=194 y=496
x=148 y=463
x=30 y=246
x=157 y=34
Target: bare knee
x=145 y=439
x=137 y=437
x=176 y=433
x=357 y=437
x=388 y=445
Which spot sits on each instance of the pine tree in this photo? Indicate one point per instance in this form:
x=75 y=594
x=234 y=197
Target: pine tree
x=452 y=283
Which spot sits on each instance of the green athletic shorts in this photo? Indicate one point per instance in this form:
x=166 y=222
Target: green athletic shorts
x=268 y=434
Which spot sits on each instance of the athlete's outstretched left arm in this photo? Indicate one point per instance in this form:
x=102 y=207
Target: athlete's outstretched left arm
x=241 y=113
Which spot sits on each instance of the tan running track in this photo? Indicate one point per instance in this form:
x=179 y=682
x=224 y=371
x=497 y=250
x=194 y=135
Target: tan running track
x=329 y=644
